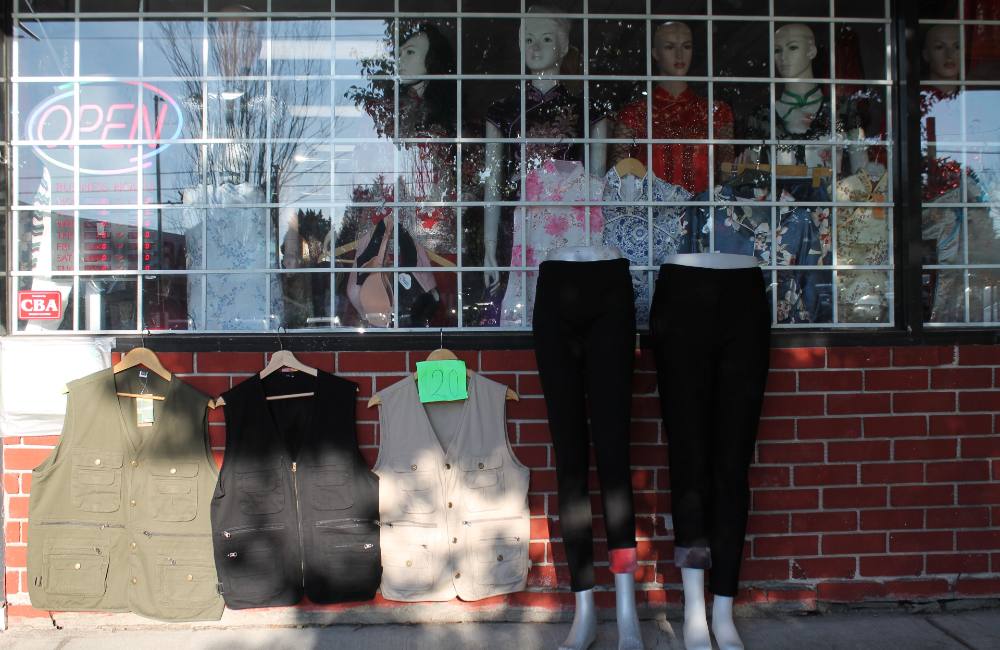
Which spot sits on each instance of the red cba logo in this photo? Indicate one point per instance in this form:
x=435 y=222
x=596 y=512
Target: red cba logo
x=39 y=305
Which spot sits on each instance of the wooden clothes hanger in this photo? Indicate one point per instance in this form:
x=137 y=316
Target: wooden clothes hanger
x=444 y=354
x=142 y=356
x=281 y=359
x=630 y=166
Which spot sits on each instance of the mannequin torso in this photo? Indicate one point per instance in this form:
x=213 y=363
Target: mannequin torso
x=713 y=260
x=583 y=254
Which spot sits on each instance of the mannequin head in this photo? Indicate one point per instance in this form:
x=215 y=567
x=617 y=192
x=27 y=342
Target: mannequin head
x=942 y=52
x=413 y=57
x=545 y=41
x=794 y=51
x=673 y=46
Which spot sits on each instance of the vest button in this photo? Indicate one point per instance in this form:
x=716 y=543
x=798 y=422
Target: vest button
x=457 y=576
x=173 y=470
x=454 y=540
x=190 y=577
x=447 y=465
x=77 y=566
x=481 y=466
x=499 y=558
x=135 y=581
x=413 y=468
x=449 y=504
x=409 y=563
x=132 y=502
x=97 y=461
x=134 y=463
x=133 y=546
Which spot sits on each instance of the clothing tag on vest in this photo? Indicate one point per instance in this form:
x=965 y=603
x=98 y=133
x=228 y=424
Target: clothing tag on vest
x=441 y=381
x=144 y=412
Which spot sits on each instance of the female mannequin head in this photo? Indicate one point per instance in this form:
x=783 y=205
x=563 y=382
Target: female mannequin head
x=545 y=41
x=424 y=50
x=673 y=46
x=794 y=51
x=942 y=52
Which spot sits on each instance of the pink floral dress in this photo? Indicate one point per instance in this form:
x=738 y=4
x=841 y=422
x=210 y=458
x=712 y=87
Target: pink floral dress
x=540 y=229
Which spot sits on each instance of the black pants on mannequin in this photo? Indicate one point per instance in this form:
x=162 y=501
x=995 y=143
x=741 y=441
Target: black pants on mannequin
x=711 y=334
x=584 y=329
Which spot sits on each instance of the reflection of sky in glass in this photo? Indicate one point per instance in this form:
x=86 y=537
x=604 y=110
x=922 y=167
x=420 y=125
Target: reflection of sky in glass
x=109 y=48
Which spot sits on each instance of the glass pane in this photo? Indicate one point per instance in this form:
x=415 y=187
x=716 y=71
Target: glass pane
x=109 y=240
x=172 y=48
x=862 y=296
x=109 y=48
x=107 y=302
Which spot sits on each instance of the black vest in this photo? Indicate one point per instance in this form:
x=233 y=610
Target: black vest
x=296 y=507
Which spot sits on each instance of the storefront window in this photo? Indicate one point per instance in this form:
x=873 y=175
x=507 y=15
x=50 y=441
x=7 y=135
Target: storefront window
x=960 y=179
x=220 y=166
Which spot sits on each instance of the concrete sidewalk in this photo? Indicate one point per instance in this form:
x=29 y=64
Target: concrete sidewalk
x=976 y=630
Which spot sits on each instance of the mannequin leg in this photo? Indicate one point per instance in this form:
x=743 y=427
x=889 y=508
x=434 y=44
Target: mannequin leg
x=695 y=621
x=584 y=629
x=722 y=624
x=629 y=636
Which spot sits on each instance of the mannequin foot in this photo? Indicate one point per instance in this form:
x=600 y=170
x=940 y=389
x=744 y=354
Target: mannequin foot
x=722 y=624
x=629 y=635
x=696 y=636
x=584 y=629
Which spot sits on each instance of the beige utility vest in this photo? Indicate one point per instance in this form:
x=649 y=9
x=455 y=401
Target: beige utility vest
x=453 y=499
x=119 y=513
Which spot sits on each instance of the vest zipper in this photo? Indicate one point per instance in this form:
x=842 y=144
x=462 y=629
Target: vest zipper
x=409 y=524
x=346 y=523
x=149 y=533
x=298 y=521
x=239 y=530
x=487 y=521
x=80 y=523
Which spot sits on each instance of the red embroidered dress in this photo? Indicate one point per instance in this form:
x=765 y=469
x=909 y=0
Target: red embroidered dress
x=684 y=117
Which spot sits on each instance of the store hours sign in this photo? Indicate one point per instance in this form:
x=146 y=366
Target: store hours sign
x=109 y=114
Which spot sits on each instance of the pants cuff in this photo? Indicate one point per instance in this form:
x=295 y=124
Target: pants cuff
x=623 y=560
x=692 y=557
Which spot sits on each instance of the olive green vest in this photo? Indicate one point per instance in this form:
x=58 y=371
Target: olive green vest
x=119 y=513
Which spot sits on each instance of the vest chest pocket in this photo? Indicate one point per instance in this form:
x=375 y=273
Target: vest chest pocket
x=416 y=490
x=332 y=487
x=96 y=480
x=75 y=568
x=483 y=481
x=260 y=492
x=184 y=583
x=175 y=491
x=500 y=561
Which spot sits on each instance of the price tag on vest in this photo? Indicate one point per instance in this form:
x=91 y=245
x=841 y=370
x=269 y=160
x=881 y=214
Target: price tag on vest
x=143 y=412
x=441 y=381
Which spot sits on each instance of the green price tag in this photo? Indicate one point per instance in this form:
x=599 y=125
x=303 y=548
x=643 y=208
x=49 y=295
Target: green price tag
x=441 y=381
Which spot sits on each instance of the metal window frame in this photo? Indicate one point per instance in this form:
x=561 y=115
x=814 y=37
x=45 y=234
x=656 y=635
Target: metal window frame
x=902 y=86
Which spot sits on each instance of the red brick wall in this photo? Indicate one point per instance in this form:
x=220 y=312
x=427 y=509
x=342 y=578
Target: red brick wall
x=877 y=473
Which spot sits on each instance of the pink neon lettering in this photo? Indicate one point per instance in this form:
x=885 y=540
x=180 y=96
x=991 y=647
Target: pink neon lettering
x=45 y=119
x=108 y=125
x=98 y=111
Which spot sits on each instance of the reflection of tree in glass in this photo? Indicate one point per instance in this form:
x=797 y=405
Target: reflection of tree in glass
x=240 y=108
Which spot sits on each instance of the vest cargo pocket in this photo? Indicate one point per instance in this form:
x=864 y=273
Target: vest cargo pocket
x=408 y=568
x=260 y=492
x=75 y=571
x=483 y=480
x=348 y=545
x=185 y=583
x=332 y=488
x=254 y=561
x=175 y=491
x=96 y=481
x=500 y=561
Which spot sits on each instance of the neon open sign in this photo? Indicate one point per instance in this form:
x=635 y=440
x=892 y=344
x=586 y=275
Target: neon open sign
x=104 y=113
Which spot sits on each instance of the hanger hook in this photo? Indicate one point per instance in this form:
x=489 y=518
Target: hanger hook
x=142 y=336
x=281 y=345
x=441 y=342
